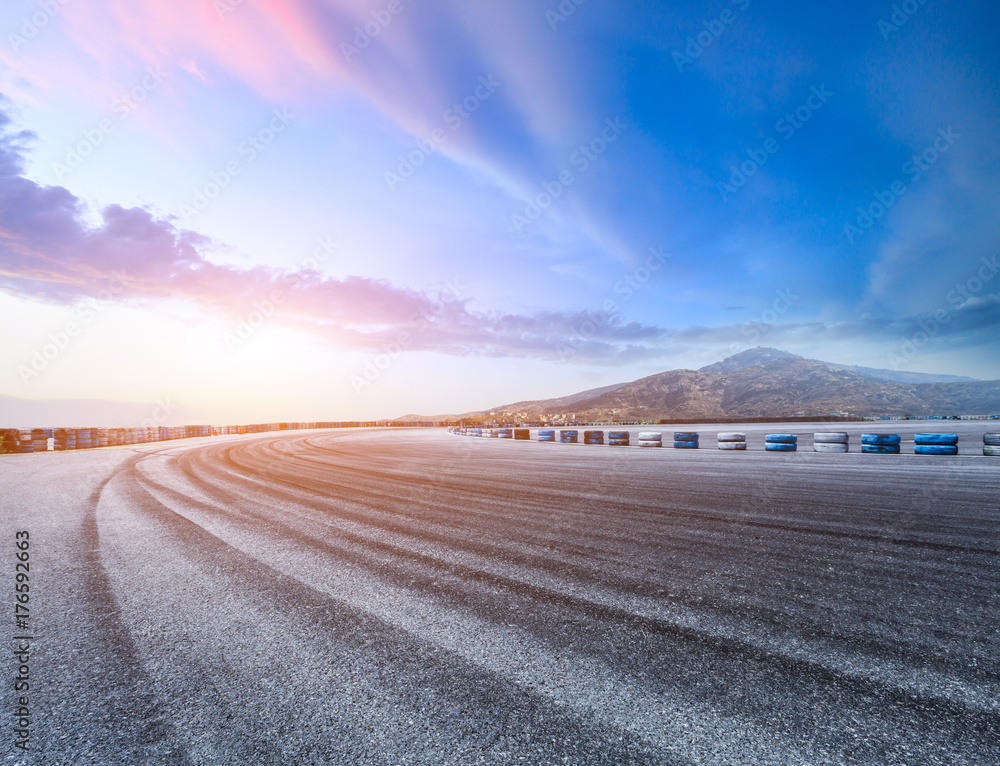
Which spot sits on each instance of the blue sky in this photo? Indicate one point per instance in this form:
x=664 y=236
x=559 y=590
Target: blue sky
x=336 y=209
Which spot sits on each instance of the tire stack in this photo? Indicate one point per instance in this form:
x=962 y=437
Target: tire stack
x=685 y=440
x=22 y=441
x=8 y=438
x=618 y=438
x=593 y=437
x=935 y=444
x=781 y=442
x=650 y=439
x=103 y=437
x=831 y=441
x=569 y=436
x=40 y=439
x=505 y=433
x=65 y=438
x=522 y=433
x=546 y=435
x=991 y=445
x=85 y=438
x=732 y=440
x=880 y=444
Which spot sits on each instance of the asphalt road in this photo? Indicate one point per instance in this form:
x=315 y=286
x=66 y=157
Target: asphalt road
x=414 y=597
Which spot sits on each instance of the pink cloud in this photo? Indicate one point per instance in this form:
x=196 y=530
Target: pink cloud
x=49 y=252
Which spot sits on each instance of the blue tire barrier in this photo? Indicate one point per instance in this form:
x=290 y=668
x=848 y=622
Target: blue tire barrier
x=685 y=444
x=546 y=435
x=993 y=440
x=936 y=449
x=505 y=433
x=926 y=440
x=780 y=447
x=781 y=439
x=881 y=439
x=830 y=447
x=522 y=433
x=731 y=436
x=992 y=450
x=831 y=437
x=880 y=449
x=733 y=445
x=593 y=437
x=569 y=437
x=618 y=438
x=685 y=436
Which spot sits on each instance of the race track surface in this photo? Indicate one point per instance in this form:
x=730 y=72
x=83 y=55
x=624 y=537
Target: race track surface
x=413 y=597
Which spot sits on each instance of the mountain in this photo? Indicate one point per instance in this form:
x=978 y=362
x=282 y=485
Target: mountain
x=761 y=354
x=762 y=383
x=749 y=358
x=903 y=376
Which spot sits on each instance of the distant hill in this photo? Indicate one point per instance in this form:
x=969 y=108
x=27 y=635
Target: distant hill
x=749 y=358
x=766 y=383
x=762 y=354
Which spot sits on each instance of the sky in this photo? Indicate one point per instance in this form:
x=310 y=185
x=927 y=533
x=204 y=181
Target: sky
x=343 y=209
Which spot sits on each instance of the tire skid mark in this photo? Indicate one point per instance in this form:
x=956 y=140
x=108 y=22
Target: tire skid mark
x=690 y=513
x=882 y=648
x=539 y=655
x=409 y=575
x=273 y=585
x=123 y=679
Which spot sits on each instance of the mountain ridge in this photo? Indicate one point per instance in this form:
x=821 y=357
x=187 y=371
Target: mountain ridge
x=762 y=383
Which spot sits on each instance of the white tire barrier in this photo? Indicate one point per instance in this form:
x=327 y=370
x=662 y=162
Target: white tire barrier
x=992 y=450
x=650 y=439
x=831 y=437
x=732 y=436
x=993 y=440
x=732 y=440
x=830 y=447
x=831 y=441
